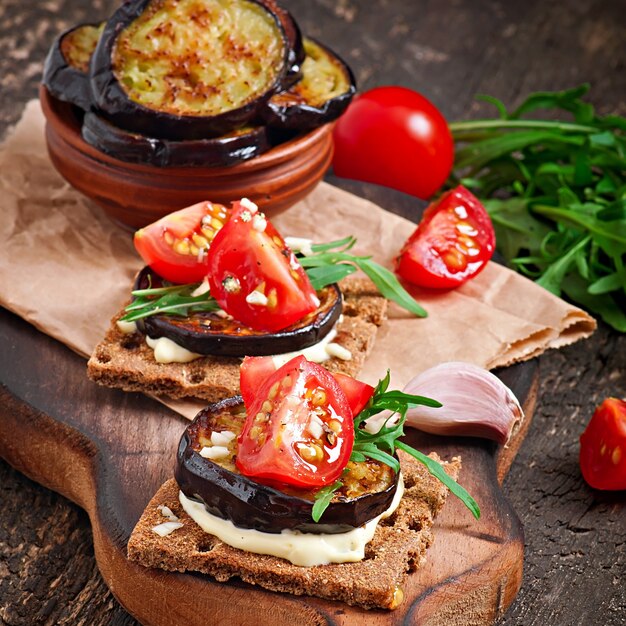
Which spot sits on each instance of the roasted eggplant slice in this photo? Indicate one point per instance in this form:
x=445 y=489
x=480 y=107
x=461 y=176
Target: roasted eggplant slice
x=188 y=69
x=211 y=333
x=321 y=96
x=65 y=70
x=230 y=149
x=369 y=487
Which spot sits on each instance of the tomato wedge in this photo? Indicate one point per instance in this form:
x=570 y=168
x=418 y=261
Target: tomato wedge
x=603 y=447
x=299 y=428
x=256 y=369
x=176 y=246
x=357 y=393
x=254 y=276
x=452 y=243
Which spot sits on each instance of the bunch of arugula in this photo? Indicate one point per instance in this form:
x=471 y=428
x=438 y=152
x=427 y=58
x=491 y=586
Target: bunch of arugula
x=328 y=263
x=556 y=193
x=381 y=445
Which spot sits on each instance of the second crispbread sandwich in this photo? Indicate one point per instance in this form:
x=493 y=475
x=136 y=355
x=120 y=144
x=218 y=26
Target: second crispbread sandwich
x=125 y=361
x=398 y=547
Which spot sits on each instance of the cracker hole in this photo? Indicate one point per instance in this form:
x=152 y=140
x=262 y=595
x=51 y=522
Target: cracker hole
x=195 y=378
x=205 y=546
x=131 y=342
x=409 y=481
x=416 y=526
x=389 y=521
x=103 y=357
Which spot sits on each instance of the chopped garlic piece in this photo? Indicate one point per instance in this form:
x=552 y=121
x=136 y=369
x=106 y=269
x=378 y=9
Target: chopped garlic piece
x=259 y=223
x=128 y=328
x=167 y=512
x=338 y=351
x=300 y=244
x=166 y=528
x=214 y=453
x=202 y=288
x=248 y=204
x=222 y=438
x=316 y=427
x=256 y=297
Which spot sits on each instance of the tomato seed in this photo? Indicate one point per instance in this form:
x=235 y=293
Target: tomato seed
x=616 y=457
x=286 y=382
x=274 y=390
x=319 y=397
x=181 y=246
x=335 y=426
x=272 y=299
x=267 y=407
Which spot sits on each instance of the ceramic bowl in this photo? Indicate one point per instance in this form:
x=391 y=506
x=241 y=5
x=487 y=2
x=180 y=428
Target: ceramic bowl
x=138 y=194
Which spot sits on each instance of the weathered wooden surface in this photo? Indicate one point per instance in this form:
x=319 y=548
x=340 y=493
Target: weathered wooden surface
x=575 y=538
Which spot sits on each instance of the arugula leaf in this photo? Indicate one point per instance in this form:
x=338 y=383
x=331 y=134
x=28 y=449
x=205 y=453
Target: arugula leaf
x=556 y=192
x=381 y=445
x=171 y=300
x=334 y=255
x=323 y=498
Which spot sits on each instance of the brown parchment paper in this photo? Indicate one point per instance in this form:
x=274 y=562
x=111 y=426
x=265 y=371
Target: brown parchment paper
x=67 y=269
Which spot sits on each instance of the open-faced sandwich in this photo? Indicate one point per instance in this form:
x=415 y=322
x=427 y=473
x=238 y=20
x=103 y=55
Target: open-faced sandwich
x=222 y=283
x=289 y=487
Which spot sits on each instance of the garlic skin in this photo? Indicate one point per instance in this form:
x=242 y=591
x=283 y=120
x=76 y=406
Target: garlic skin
x=476 y=403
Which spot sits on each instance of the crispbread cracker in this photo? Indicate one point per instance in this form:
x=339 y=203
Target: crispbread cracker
x=125 y=361
x=398 y=547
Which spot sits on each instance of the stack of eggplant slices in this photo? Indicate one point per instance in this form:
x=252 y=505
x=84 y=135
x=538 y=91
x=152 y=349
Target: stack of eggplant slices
x=211 y=83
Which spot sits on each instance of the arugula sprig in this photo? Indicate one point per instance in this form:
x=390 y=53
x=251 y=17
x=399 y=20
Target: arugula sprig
x=332 y=261
x=329 y=263
x=381 y=445
x=556 y=192
x=171 y=300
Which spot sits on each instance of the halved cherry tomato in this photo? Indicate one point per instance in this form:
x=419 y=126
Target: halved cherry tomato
x=256 y=369
x=254 y=276
x=452 y=243
x=176 y=246
x=603 y=447
x=299 y=428
x=357 y=393
x=395 y=137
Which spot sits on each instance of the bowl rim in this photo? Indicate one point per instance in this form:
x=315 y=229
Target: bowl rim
x=61 y=116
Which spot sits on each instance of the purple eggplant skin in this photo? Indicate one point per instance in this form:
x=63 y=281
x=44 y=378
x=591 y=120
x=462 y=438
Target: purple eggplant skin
x=131 y=147
x=113 y=102
x=225 y=337
x=289 y=110
x=249 y=504
x=63 y=80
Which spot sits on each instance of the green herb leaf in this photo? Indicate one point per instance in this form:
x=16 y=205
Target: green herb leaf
x=170 y=300
x=556 y=192
x=323 y=498
x=323 y=275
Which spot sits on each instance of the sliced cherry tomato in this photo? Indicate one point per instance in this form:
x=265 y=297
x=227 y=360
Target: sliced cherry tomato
x=603 y=447
x=299 y=428
x=256 y=369
x=254 y=276
x=176 y=246
x=395 y=137
x=452 y=243
x=357 y=393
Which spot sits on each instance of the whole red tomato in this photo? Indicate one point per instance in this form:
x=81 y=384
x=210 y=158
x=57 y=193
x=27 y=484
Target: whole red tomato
x=452 y=243
x=393 y=136
x=603 y=447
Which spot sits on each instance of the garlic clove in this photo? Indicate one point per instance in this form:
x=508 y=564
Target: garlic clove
x=476 y=403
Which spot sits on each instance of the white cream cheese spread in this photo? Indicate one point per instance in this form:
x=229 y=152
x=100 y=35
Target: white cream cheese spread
x=304 y=549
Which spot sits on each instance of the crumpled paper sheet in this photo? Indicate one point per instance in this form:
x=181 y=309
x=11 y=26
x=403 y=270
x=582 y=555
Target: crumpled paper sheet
x=67 y=269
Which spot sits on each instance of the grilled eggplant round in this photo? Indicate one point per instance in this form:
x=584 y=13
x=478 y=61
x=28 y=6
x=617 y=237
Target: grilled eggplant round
x=65 y=70
x=211 y=333
x=368 y=491
x=234 y=147
x=188 y=69
x=321 y=96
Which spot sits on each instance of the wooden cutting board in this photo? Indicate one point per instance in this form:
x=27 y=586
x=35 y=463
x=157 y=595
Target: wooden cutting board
x=109 y=451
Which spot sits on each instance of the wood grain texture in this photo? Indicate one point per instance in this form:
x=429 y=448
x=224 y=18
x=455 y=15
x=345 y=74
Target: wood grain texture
x=449 y=50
